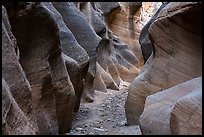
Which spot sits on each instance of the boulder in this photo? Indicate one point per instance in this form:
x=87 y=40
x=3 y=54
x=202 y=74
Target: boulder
x=169 y=111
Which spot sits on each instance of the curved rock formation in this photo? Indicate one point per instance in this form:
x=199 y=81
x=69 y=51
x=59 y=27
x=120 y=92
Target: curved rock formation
x=15 y=87
x=176 y=110
x=125 y=25
x=40 y=56
x=177 y=43
x=110 y=51
x=186 y=116
x=14 y=120
x=76 y=58
x=144 y=41
x=86 y=37
x=55 y=54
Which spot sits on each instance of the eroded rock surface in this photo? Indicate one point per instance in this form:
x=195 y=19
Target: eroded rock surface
x=176 y=110
x=60 y=52
x=177 y=42
x=55 y=55
x=15 y=86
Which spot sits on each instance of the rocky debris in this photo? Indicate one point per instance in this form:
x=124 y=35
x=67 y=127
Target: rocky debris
x=176 y=53
x=104 y=116
x=169 y=111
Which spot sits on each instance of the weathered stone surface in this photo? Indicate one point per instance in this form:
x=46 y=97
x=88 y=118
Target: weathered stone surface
x=108 y=9
x=15 y=77
x=59 y=46
x=73 y=47
x=40 y=55
x=112 y=55
x=162 y=106
x=86 y=37
x=94 y=16
x=79 y=26
x=144 y=41
x=104 y=80
x=123 y=25
x=186 y=116
x=176 y=37
x=76 y=58
x=14 y=120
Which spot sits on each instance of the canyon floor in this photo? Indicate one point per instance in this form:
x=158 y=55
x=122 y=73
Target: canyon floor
x=104 y=116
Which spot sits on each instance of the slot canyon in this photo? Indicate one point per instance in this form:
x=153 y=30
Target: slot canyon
x=101 y=68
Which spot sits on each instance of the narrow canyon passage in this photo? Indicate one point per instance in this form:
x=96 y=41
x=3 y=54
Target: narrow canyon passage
x=104 y=116
x=101 y=68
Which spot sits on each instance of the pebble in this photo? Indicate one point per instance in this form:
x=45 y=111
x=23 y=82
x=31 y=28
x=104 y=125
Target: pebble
x=122 y=123
x=79 y=129
x=101 y=129
x=90 y=133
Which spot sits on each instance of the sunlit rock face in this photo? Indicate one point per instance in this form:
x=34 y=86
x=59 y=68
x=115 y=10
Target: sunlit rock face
x=176 y=37
x=115 y=61
x=127 y=21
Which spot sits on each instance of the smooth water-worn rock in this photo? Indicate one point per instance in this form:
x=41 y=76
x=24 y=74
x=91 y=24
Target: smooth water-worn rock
x=14 y=120
x=62 y=50
x=186 y=116
x=169 y=111
x=86 y=37
x=40 y=55
x=76 y=58
x=16 y=85
x=144 y=41
x=57 y=54
x=176 y=37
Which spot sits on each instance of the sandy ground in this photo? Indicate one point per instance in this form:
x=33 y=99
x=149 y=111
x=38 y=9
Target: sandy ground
x=104 y=116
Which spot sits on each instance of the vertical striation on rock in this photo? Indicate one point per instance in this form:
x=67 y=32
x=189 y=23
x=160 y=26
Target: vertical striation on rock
x=176 y=39
x=40 y=56
x=56 y=54
x=86 y=37
x=14 y=120
x=15 y=79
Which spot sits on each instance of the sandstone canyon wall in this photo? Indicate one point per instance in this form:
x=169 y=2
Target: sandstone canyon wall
x=56 y=54
x=176 y=37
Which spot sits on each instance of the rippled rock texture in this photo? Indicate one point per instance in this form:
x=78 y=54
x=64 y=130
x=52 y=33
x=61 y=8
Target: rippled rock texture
x=53 y=56
x=176 y=36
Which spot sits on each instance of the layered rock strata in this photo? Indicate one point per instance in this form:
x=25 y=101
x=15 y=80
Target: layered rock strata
x=177 y=110
x=176 y=37
x=59 y=53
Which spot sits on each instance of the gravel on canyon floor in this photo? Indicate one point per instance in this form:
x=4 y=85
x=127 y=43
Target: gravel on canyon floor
x=104 y=116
